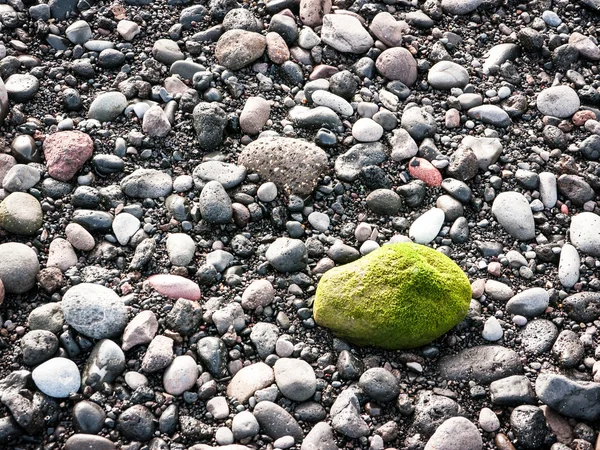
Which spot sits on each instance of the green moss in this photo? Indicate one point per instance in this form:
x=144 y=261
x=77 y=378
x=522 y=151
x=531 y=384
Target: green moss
x=399 y=296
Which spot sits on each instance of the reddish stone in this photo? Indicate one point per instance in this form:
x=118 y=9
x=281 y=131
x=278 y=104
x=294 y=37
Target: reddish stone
x=581 y=117
x=66 y=152
x=2 y=292
x=425 y=171
x=174 y=286
x=277 y=49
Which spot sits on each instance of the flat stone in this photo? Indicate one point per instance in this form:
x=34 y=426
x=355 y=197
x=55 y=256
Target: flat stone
x=248 y=380
x=345 y=33
x=460 y=8
x=447 y=75
x=538 y=336
x=482 y=364
x=490 y=114
x=348 y=166
x=88 y=441
x=147 y=183
x=576 y=399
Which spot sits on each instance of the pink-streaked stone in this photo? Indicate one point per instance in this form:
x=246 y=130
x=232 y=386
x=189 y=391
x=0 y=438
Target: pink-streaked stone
x=174 y=286
x=425 y=171
x=66 y=152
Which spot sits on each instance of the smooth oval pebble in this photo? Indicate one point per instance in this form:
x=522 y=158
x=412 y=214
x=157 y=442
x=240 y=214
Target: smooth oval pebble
x=568 y=266
x=427 y=226
x=175 y=286
x=57 y=377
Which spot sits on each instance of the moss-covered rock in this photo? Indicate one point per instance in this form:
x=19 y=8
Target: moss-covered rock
x=398 y=296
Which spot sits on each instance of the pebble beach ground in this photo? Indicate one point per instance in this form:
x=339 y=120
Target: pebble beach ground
x=177 y=176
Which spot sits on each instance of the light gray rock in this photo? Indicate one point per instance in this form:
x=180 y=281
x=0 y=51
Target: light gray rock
x=538 y=336
x=512 y=211
x=147 y=183
x=345 y=33
x=482 y=364
x=124 y=226
x=215 y=204
x=181 y=375
x=460 y=7
x=264 y=337
x=259 y=293
x=295 y=379
x=166 y=51
x=529 y=303
x=568 y=266
x=57 y=377
x=287 y=255
x=558 y=101
x=61 y=254
x=403 y=145
x=512 y=391
x=180 y=248
x=244 y=425
x=94 y=310
x=276 y=422
x=456 y=433
x=447 y=75
x=228 y=174
x=248 y=380
x=320 y=437
x=584 y=233
x=159 y=354
x=490 y=114
x=292 y=164
x=107 y=106
x=155 y=122
x=18 y=267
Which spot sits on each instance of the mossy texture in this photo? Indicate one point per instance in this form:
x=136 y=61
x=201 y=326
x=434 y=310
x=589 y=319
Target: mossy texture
x=398 y=296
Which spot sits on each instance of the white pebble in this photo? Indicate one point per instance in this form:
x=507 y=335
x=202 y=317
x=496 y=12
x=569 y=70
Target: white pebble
x=492 y=330
x=488 y=420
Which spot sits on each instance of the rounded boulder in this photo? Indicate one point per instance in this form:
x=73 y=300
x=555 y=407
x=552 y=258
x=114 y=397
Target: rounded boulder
x=399 y=296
